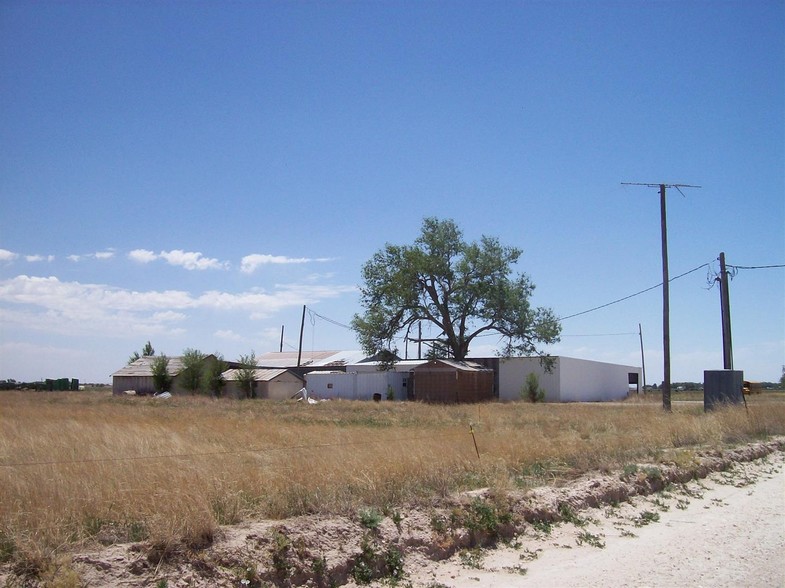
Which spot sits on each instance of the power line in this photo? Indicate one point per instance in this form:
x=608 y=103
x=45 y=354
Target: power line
x=601 y=335
x=754 y=267
x=703 y=265
x=329 y=320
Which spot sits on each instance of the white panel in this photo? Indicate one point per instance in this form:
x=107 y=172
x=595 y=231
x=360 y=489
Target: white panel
x=514 y=371
x=593 y=381
x=354 y=386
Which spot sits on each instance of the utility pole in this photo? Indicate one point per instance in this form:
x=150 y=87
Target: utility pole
x=302 y=326
x=280 y=349
x=643 y=358
x=727 y=344
x=666 y=329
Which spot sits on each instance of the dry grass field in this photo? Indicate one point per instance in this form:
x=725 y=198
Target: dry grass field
x=76 y=468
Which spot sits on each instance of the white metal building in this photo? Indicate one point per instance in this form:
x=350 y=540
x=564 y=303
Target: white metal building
x=571 y=380
x=275 y=384
x=356 y=386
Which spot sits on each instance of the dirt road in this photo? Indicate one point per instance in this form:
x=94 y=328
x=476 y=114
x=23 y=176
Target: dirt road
x=725 y=531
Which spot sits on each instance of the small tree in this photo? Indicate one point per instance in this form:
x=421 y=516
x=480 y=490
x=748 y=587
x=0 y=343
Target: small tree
x=193 y=365
x=214 y=375
x=531 y=390
x=162 y=381
x=246 y=374
x=147 y=351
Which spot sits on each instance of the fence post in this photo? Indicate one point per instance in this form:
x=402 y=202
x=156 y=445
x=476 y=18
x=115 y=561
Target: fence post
x=471 y=430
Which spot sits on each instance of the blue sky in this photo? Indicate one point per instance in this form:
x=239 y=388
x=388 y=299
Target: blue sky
x=193 y=173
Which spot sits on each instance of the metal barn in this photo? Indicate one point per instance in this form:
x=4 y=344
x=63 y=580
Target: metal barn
x=447 y=381
x=275 y=384
x=356 y=386
x=571 y=380
x=138 y=376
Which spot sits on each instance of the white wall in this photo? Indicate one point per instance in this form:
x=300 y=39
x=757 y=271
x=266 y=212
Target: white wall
x=594 y=381
x=571 y=380
x=512 y=378
x=355 y=386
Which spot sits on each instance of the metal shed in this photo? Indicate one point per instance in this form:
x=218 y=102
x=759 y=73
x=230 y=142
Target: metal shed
x=275 y=384
x=356 y=386
x=138 y=376
x=570 y=380
x=448 y=381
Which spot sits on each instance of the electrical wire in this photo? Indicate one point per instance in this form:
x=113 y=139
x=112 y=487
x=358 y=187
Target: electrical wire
x=754 y=267
x=602 y=335
x=329 y=320
x=563 y=318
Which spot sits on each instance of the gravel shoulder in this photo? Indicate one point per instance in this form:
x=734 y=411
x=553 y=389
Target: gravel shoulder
x=726 y=530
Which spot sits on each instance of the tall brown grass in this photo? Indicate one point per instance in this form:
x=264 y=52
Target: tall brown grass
x=85 y=467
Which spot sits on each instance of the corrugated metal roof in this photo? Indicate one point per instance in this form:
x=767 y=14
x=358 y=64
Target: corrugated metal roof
x=260 y=375
x=288 y=359
x=467 y=366
x=410 y=363
x=144 y=367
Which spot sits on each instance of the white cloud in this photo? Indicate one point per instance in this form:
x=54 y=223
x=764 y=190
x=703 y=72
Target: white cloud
x=6 y=255
x=97 y=255
x=229 y=335
x=142 y=256
x=48 y=304
x=250 y=263
x=169 y=315
x=36 y=258
x=191 y=260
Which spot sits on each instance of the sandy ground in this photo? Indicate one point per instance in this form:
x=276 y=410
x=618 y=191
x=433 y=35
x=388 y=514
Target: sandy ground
x=727 y=530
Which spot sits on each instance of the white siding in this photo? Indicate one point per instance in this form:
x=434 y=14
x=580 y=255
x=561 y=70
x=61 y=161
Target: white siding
x=593 y=381
x=355 y=386
x=571 y=380
x=514 y=371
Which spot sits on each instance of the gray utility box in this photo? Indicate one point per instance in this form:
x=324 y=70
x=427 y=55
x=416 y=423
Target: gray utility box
x=721 y=387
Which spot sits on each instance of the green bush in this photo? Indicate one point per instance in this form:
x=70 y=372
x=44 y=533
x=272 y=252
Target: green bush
x=531 y=390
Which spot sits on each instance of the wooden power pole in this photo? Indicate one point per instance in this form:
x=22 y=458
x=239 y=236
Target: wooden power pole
x=666 y=329
x=300 y=348
x=727 y=344
x=643 y=358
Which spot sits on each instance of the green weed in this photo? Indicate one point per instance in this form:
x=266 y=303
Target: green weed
x=517 y=569
x=280 y=554
x=568 y=515
x=542 y=526
x=370 y=518
x=645 y=518
x=472 y=558
x=393 y=563
x=590 y=539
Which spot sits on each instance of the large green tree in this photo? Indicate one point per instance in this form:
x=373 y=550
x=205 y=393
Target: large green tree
x=465 y=289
